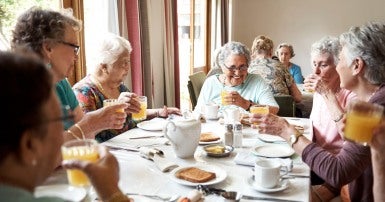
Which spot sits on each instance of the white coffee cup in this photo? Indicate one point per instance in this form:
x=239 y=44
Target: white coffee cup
x=231 y=115
x=267 y=173
x=211 y=111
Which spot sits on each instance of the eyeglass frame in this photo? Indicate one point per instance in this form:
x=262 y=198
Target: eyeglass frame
x=76 y=47
x=233 y=68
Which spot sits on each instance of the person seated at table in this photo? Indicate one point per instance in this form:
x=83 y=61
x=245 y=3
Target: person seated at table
x=285 y=52
x=244 y=90
x=361 y=69
x=52 y=36
x=377 y=148
x=30 y=151
x=274 y=72
x=111 y=62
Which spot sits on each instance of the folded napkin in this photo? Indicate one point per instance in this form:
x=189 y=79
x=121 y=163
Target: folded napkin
x=248 y=159
x=157 y=156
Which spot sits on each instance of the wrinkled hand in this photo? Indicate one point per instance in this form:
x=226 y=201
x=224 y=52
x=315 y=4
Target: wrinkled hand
x=316 y=83
x=165 y=111
x=107 y=117
x=234 y=98
x=269 y=124
x=103 y=174
x=131 y=100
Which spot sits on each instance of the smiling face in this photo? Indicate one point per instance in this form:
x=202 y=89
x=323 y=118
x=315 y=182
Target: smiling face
x=238 y=75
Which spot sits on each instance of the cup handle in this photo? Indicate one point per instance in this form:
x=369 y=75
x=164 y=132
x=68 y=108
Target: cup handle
x=165 y=132
x=286 y=171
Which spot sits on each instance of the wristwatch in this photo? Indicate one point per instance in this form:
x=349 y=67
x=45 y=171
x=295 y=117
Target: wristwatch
x=294 y=137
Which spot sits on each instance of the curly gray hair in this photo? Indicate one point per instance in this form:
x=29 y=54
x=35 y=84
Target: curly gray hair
x=327 y=44
x=233 y=48
x=289 y=46
x=367 y=42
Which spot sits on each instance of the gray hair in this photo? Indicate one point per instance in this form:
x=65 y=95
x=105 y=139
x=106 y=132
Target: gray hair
x=110 y=47
x=367 y=42
x=233 y=48
x=327 y=44
x=289 y=46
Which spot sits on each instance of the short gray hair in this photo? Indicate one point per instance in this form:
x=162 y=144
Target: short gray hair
x=109 y=48
x=368 y=43
x=289 y=46
x=233 y=48
x=327 y=44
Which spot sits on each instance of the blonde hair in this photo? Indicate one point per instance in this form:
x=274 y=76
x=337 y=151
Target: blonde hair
x=262 y=45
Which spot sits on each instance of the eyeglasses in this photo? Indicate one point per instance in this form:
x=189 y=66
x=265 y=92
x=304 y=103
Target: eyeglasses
x=67 y=115
x=76 y=47
x=233 y=67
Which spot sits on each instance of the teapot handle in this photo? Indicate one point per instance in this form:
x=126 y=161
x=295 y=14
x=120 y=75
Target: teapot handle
x=165 y=132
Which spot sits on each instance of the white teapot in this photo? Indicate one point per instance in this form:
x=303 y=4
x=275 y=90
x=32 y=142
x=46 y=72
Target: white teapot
x=184 y=136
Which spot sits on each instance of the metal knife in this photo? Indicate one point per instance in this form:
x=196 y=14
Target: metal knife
x=266 y=199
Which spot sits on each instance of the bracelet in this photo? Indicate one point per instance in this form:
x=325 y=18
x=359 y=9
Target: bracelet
x=80 y=129
x=251 y=104
x=73 y=134
x=339 y=117
x=117 y=197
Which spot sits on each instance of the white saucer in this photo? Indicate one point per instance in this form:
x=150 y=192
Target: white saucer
x=283 y=184
x=64 y=191
x=274 y=150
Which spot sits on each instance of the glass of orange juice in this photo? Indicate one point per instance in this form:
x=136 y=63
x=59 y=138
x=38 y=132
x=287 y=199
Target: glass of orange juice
x=85 y=150
x=259 y=109
x=141 y=115
x=224 y=93
x=361 y=119
x=109 y=102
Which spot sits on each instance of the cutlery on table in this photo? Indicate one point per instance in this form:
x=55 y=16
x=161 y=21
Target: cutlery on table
x=157 y=197
x=266 y=199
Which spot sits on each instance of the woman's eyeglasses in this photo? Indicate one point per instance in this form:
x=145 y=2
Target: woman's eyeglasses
x=76 y=47
x=234 y=68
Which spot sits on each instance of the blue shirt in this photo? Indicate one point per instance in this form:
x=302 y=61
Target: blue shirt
x=295 y=71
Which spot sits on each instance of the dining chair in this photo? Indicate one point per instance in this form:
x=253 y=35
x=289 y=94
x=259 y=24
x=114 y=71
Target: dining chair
x=194 y=86
x=286 y=105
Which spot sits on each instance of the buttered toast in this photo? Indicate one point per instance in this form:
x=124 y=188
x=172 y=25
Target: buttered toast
x=195 y=175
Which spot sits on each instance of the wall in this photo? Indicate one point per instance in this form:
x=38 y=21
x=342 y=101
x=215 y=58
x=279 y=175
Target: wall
x=300 y=22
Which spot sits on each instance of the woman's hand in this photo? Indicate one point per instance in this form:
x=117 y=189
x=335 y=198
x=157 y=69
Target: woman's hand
x=235 y=98
x=271 y=124
x=106 y=118
x=316 y=83
x=131 y=100
x=165 y=111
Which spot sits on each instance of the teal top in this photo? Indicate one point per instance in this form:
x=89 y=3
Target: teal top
x=16 y=194
x=67 y=97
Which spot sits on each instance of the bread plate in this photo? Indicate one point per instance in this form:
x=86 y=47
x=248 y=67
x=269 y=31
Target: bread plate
x=64 y=191
x=152 y=125
x=274 y=150
x=219 y=172
x=226 y=152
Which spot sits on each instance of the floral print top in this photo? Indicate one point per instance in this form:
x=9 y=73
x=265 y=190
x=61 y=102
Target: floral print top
x=91 y=98
x=274 y=73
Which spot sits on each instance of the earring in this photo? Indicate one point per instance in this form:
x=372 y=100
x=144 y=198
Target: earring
x=34 y=162
x=49 y=65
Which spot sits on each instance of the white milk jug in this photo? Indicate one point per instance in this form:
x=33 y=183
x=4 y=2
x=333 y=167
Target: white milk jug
x=184 y=136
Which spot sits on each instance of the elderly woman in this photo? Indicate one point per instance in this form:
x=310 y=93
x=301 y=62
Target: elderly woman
x=31 y=150
x=285 y=52
x=274 y=73
x=112 y=64
x=244 y=89
x=52 y=36
x=361 y=69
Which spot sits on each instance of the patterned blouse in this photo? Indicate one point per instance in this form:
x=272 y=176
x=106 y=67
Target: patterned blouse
x=91 y=98
x=274 y=73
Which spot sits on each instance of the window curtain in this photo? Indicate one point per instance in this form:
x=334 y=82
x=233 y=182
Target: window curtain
x=159 y=52
x=220 y=24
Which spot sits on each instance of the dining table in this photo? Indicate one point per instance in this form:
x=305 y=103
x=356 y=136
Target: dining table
x=140 y=175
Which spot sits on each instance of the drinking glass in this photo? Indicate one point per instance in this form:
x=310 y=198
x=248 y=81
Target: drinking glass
x=141 y=115
x=361 y=119
x=224 y=93
x=110 y=102
x=259 y=109
x=85 y=150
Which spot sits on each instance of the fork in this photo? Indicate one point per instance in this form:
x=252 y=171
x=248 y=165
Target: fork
x=173 y=198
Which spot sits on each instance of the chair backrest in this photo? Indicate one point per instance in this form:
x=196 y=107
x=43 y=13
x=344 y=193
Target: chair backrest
x=194 y=86
x=286 y=105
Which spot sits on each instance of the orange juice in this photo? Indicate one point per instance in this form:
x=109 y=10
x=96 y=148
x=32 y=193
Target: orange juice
x=224 y=93
x=109 y=102
x=259 y=109
x=359 y=127
x=72 y=150
x=142 y=114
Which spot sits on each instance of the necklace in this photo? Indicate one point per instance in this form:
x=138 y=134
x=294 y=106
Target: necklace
x=99 y=85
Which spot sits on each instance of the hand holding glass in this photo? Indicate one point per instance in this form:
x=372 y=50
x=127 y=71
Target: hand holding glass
x=361 y=119
x=85 y=150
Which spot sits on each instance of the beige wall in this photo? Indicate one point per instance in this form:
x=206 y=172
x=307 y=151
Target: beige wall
x=300 y=22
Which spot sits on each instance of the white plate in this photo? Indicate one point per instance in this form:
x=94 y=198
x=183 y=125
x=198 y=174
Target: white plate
x=64 y=191
x=274 y=150
x=219 y=172
x=270 y=138
x=211 y=142
x=152 y=125
x=280 y=187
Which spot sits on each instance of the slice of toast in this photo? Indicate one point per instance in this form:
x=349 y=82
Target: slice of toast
x=208 y=137
x=196 y=175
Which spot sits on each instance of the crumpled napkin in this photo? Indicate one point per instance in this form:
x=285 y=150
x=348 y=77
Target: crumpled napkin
x=157 y=156
x=248 y=159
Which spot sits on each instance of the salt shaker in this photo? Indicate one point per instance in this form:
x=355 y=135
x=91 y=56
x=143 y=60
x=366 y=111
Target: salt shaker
x=229 y=135
x=237 y=135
